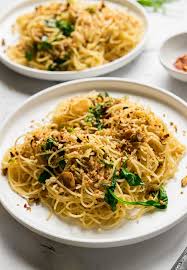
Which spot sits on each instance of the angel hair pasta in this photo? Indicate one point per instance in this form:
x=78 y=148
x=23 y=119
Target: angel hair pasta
x=97 y=161
x=67 y=36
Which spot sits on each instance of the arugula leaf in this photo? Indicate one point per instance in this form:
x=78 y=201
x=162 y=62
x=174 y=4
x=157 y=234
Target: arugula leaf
x=62 y=164
x=109 y=198
x=44 y=176
x=61 y=61
x=29 y=55
x=66 y=27
x=58 y=62
x=160 y=202
x=95 y=114
x=50 y=142
x=114 y=179
x=162 y=196
x=98 y=110
x=132 y=178
x=103 y=95
x=44 y=45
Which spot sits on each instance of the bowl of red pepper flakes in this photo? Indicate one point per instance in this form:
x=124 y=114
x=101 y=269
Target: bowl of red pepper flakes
x=173 y=56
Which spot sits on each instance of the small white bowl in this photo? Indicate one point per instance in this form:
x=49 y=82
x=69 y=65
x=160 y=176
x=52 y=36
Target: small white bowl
x=172 y=48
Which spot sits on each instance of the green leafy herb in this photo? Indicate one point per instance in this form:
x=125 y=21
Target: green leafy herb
x=95 y=114
x=162 y=196
x=109 y=198
x=58 y=63
x=103 y=95
x=66 y=27
x=44 y=176
x=70 y=129
x=50 y=142
x=155 y=4
x=160 y=202
x=44 y=45
x=61 y=61
x=62 y=164
x=29 y=55
x=61 y=153
x=132 y=178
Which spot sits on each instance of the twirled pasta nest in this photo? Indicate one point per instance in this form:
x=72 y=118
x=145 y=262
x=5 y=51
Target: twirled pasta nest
x=98 y=160
x=74 y=36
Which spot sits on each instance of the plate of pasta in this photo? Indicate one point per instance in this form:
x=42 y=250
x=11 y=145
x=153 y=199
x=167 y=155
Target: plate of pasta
x=65 y=40
x=96 y=162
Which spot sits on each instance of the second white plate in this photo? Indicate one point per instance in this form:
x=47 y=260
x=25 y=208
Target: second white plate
x=167 y=106
x=9 y=18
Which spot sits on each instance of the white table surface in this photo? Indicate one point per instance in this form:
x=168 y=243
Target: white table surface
x=24 y=250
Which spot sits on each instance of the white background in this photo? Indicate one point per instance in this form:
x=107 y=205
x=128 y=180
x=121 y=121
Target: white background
x=22 y=249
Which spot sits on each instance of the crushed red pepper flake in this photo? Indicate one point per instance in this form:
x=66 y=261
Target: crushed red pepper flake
x=27 y=207
x=181 y=63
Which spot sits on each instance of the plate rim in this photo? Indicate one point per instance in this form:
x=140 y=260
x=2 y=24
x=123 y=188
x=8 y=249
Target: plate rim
x=90 y=242
x=94 y=71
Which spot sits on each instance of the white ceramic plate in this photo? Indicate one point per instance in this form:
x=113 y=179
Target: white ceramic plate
x=37 y=107
x=9 y=18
